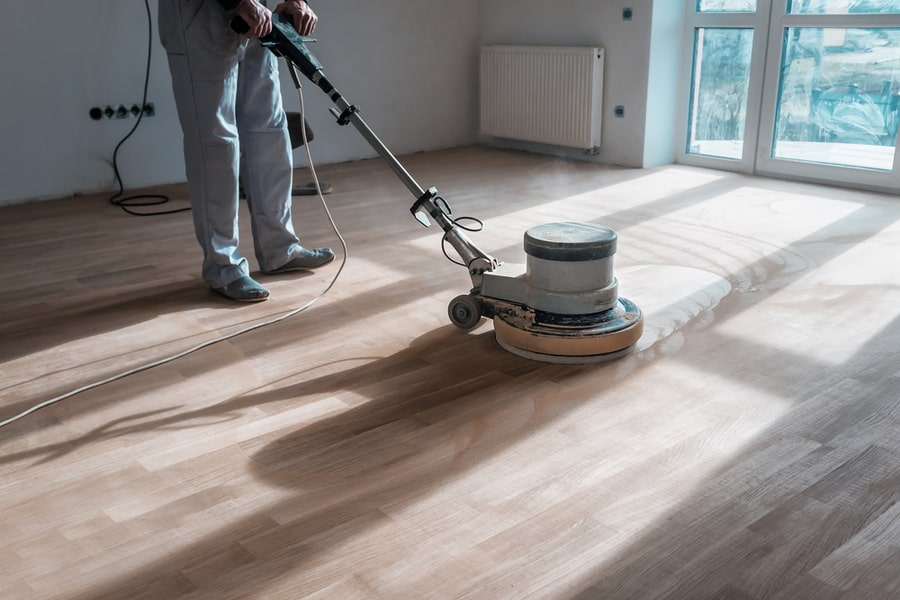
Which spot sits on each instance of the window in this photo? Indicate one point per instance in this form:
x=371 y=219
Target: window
x=800 y=88
x=720 y=87
x=726 y=6
x=838 y=95
x=842 y=7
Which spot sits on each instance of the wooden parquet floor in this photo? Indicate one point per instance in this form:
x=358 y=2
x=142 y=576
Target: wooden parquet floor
x=748 y=449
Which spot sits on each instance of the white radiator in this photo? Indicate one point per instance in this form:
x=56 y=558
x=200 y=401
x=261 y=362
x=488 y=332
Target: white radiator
x=547 y=94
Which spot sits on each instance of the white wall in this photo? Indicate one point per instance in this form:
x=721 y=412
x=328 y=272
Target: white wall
x=409 y=64
x=589 y=23
x=60 y=61
x=663 y=82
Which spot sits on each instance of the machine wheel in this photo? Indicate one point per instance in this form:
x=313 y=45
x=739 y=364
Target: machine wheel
x=464 y=311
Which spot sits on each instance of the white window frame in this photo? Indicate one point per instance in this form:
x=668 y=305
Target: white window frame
x=769 y=23
x=833 y=174
x=758 y=22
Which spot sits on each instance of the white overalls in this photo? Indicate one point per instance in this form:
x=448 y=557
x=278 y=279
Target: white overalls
x=228 y=98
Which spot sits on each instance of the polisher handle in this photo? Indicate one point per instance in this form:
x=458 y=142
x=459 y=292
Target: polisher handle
x=285 y=41
x=239 y=25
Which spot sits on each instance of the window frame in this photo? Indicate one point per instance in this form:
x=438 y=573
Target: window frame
x=768 y=165
x=756 y=21
x=769 y=23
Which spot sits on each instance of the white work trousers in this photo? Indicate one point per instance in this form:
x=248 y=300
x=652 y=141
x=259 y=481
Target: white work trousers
x=228 y=99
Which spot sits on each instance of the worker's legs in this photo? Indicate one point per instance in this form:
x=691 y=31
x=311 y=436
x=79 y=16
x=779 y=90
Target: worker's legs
x=267 y=159
x=204 y=56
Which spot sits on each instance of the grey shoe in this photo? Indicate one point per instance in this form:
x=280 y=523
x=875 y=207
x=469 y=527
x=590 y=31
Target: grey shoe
x=243 y=290
x=308 y=258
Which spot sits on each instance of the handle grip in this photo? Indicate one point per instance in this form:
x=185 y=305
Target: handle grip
x=285 y=41
x=239 y=25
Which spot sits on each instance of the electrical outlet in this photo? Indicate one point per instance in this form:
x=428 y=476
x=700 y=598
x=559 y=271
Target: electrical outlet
x=121 y=111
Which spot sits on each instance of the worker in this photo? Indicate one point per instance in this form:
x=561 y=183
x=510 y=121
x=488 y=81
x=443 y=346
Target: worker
x=228 y=98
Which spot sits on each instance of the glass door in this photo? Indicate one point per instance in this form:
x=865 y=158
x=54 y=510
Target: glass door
x=831 y=103
x=808 y=89
x=728 y=41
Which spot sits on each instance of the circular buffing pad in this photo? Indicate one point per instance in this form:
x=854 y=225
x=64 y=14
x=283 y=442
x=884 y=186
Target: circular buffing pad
x=578 y=339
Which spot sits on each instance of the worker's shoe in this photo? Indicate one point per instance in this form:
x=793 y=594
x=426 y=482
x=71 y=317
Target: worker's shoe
x=243 y=290
x=307 y=258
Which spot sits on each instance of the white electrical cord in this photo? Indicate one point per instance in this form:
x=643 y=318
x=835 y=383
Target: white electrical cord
x=206 y=344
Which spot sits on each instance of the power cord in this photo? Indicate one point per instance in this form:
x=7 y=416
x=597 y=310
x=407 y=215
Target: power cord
x=477 y=226
x=208 y=343
x=127 y=202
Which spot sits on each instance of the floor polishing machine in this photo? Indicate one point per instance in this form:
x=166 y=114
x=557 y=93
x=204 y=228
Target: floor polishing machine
x=562 y=307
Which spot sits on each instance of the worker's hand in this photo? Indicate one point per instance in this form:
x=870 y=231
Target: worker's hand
x=304 y=18
x=257 y=16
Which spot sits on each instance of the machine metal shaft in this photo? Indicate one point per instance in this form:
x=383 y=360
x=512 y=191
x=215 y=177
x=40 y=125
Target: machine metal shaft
x=285 y=42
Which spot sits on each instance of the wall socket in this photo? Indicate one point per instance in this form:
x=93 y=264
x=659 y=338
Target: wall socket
x=121 y=111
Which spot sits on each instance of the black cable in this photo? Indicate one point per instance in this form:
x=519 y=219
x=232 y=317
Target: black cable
x=479 y=224
x=444 y=207
x=206 y=344
x=146 y=199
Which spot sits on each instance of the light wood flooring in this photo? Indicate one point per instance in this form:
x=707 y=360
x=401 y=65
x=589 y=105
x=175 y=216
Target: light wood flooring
x=365 y=448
